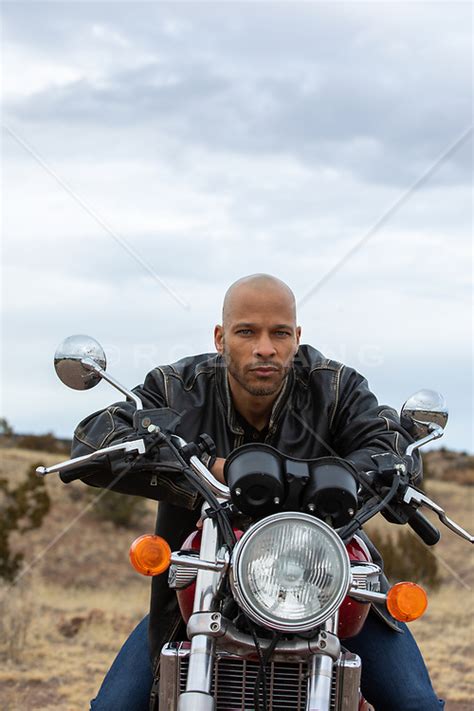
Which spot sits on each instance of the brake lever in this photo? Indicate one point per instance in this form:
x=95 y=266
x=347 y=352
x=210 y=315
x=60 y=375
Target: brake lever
x=136 y=445
x=413 y=496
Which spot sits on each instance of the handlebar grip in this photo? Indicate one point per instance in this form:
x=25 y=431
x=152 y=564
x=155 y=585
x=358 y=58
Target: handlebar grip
x=72 y=475
x=84 y=470
x=424 y=529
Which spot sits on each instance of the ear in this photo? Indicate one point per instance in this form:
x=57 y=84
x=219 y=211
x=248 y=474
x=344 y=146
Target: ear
x=219 y=339
x=298 y=337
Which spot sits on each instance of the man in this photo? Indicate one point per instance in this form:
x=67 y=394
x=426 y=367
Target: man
x=261 y=386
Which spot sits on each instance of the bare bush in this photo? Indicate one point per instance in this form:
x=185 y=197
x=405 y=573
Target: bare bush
x=6 y=429
x=43 y=443
x=22 y=509
x=122 y=510
x=406 y=558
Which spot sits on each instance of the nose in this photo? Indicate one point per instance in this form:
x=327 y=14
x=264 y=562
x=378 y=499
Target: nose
x=264 y=348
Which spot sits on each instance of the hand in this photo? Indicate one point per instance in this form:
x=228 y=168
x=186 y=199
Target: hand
x=217 y=469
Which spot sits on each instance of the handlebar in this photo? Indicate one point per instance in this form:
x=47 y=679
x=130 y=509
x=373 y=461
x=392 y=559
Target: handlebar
x=413 y=496
x=72 y=469
x=136 y=445
x=406 y=497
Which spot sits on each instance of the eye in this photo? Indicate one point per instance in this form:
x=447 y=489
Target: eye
x=244 y=331
x=282 y=334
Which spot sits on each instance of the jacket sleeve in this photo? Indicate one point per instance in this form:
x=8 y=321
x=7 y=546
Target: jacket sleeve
x=157 y=477
x=361 y=427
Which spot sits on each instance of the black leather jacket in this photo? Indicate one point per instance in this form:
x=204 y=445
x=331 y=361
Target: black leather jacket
x=324 y=408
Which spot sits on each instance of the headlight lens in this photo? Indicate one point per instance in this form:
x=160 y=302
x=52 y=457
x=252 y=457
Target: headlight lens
x=290 y=572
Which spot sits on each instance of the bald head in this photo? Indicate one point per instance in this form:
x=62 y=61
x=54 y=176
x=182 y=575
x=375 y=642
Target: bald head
x=258 y=338
x=256 y=286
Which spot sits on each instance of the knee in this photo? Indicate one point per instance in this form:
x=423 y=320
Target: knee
x=123 y=695
x=118 y=703
x=410 y=702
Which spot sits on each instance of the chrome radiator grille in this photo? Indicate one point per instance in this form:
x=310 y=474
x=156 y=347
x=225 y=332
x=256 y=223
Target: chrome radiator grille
x=234 y=682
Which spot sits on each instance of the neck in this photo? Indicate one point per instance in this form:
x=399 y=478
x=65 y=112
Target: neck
x=256 y=409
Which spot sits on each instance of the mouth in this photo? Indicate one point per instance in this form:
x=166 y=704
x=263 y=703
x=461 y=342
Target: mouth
x=265 y=370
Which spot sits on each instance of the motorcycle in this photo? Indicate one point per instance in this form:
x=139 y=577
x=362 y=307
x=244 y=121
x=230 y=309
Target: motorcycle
x=267 y=605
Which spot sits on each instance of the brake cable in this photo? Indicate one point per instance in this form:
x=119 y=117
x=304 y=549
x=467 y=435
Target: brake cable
x=368 y=512
x=218 y=511
x=264 y=658
x=256 y=699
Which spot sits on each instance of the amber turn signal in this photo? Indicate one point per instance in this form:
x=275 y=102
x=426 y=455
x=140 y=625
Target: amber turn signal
x=406 y=601
x=150 y=555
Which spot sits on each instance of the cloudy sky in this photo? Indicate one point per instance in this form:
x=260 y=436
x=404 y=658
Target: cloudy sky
x=154 y=152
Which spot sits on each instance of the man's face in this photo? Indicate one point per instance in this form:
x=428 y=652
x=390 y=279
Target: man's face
x=259 y=339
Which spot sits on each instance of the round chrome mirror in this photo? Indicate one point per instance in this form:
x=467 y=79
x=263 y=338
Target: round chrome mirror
x=69 y=366
x=424 y=408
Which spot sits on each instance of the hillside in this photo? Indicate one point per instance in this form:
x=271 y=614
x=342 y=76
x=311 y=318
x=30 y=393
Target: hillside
x=78 y=598
x=445 y=465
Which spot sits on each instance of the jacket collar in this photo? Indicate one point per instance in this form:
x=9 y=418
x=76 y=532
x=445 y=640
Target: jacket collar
x=226 y=398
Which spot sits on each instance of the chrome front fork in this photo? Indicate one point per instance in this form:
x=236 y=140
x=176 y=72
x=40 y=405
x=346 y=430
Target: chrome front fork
x=320 y=675
x=197 y=696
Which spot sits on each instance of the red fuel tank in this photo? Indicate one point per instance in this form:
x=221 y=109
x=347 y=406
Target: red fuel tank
x=186 y=596
x=353 y=613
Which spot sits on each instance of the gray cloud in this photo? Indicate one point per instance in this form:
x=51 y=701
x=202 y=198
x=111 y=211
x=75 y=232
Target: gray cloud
x=224 y=139
x=376 y=136
x=382 y=110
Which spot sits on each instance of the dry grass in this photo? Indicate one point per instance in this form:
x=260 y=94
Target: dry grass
x=445 y=633
x=16 y=615
x=84 y=587
x=71 y=642
x=445 y=636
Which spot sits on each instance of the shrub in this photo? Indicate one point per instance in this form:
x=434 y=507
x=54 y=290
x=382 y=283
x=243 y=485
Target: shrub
x=407 y=558
x=43 y=443
x=122 y=510
x=21 y=509
x=5 y=428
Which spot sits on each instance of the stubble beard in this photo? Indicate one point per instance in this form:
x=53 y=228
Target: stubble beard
x=256 y=390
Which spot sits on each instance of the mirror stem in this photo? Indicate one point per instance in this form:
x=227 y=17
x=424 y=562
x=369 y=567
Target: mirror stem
x=91 y=365
x=436 y=432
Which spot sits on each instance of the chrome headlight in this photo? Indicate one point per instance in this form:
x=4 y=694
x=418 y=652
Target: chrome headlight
x=290 y=572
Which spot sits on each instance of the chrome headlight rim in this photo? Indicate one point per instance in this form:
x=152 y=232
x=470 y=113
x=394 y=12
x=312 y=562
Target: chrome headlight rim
x=235 y=574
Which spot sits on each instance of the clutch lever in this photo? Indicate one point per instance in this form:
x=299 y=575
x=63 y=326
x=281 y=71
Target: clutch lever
x=413 y=496
x=136 y=445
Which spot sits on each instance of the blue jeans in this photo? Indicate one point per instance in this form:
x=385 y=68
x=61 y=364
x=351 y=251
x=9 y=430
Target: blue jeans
x=394 y=676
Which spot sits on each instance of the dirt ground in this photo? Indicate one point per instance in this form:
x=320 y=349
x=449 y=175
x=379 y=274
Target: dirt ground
x=78 y=599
